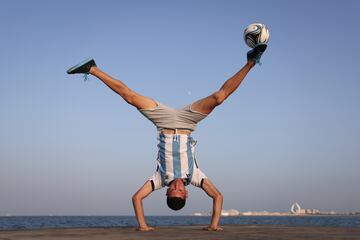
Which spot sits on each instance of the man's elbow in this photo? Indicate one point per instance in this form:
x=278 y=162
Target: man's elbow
x=135 y=198
x=218 y=196
x=219 y=97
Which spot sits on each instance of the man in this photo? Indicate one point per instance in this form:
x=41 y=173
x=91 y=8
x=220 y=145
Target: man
x=176 y=163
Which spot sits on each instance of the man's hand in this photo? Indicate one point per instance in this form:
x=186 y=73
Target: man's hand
x=209 y=228
x=217 y=197
x=145 y=229
x=142 y=193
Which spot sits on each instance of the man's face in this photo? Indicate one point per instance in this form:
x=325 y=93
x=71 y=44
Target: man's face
x=177 y=189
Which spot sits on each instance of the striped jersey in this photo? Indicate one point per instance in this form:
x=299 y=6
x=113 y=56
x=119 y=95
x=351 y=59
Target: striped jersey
x=176 y=159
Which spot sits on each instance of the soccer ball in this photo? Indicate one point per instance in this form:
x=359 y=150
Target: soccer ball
x=256 y=33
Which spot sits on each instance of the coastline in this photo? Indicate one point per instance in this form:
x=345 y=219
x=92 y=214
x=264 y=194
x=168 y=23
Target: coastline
x=186 y=232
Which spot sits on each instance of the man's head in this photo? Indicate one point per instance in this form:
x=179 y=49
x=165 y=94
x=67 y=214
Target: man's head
x=176 y=194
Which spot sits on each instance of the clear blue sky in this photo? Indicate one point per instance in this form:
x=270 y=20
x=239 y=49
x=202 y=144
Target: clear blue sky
x=290 y=133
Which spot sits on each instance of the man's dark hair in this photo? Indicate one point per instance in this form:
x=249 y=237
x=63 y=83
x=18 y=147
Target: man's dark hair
x=175 y=203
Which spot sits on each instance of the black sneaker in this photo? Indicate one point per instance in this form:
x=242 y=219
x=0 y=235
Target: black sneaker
x=83 y=67
x=256 y=52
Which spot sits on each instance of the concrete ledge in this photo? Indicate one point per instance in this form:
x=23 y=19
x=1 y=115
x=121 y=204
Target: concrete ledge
x=187 y=232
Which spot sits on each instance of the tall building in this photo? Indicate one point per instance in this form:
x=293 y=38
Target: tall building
x=296 y=209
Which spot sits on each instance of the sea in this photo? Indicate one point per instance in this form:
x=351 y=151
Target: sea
x=41 y=222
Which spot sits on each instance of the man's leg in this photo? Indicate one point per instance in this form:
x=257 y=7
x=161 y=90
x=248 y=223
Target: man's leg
x=206 y=105
x=124 y=91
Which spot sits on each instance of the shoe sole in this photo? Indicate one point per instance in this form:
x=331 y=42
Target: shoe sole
x=79 y=65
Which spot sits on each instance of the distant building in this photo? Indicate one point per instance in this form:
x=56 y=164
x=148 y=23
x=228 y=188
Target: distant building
x=312 y=211
x=297 y=210
x=231 y=212
x=261 y=213
x=294 y=210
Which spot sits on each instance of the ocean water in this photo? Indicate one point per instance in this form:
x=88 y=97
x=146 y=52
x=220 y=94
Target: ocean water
x=38 y=222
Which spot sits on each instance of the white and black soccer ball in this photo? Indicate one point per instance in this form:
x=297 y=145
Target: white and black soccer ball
x=256 y=33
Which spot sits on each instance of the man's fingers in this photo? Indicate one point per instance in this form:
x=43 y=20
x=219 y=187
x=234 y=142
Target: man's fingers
x=212 y=229
x=145 y=229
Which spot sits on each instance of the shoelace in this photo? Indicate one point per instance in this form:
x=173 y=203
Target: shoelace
x=258 y=60
x=86 y=77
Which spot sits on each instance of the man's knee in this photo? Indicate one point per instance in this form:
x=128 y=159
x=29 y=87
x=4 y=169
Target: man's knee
x=219 y=97
x=129 y=97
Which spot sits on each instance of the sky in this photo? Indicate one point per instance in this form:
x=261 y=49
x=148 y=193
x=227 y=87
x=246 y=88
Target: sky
x=291 y=132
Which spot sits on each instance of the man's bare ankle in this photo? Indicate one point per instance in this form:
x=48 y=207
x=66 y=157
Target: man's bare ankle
x=93 y=69
x=251 y=63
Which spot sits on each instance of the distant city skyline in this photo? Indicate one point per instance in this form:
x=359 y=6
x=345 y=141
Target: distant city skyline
x=290 y=133
x=294 y=210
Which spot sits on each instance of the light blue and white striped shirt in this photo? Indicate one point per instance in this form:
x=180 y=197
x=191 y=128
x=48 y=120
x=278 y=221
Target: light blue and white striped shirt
x=176 y=159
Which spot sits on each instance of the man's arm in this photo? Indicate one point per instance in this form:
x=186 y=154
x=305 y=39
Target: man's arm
x=217 y=197
x=142 y=193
